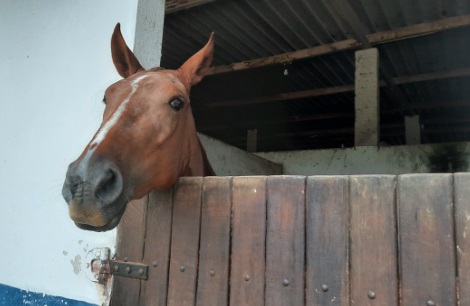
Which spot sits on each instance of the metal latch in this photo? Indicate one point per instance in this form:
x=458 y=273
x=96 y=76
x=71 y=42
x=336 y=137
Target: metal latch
x=100 y=267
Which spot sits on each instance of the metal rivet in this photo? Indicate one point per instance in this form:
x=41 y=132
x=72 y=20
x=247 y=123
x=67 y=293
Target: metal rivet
x=324 y=288
x=182 y=268
x=285 y=282
x=154 y=263
x=141 y=271
x=431 y=303
x=371 y=295
x=212 y=272
x=116 y=268
x=128 y=270
x=126 y=259
x=247 y=277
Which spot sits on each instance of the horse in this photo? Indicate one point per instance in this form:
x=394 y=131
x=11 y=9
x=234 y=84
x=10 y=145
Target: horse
x=146 y=141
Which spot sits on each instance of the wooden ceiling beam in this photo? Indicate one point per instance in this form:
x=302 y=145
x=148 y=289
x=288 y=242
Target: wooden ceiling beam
x=455 y=73
x=321 y=133
x=326 y=116
x=374 y=39
x=173 y=6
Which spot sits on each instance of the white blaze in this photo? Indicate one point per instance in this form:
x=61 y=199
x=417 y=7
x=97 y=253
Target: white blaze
x=117 y=114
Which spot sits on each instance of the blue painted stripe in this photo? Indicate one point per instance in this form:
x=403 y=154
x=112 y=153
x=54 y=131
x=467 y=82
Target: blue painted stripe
x=11 y=296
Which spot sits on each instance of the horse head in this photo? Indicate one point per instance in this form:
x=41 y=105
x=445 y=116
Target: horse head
x=147 y=139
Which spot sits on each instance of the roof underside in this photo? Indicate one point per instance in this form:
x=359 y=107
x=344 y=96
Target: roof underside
x=308 y=103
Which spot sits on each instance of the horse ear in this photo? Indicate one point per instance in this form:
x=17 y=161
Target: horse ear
x=124 y=60
x=197 y=66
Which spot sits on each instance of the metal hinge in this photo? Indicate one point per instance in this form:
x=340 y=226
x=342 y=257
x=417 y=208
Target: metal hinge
x=100 y=267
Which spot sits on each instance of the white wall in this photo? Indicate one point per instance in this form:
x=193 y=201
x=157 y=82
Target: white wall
x=375 y=160
x=55 y=65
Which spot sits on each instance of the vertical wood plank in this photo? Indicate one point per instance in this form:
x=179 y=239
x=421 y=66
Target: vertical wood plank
x=185 y=241
x=130 y=245
x=157 y=248
x=374 y=266
x=426 y=238
x=462 y=226
x=248 y=241
x=285 y=240
x=212 y=288
x=327 y=242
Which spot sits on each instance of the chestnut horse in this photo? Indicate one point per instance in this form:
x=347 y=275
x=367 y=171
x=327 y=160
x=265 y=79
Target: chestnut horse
x=146 y=141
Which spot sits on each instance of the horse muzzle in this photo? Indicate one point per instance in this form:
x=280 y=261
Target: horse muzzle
x=94 y=195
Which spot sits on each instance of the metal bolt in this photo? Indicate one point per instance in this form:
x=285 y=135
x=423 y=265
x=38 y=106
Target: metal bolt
x=126 y=259
x=116 y=268
x=128 y=270
x=182 y=268
x=212 y=272
x=154 y=263
x=371 y=295
x=431 y=303
x=247 y=277
x=285 y=282
x=324 y=288
x=141 y=271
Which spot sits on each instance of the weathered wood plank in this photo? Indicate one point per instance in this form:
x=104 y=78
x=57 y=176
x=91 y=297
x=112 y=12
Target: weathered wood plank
x=426 y=238
x=462 y=226
x=130 y=246
x=214 y=252
x=374 y=266
x=185 y=241
x=248 y=241
x=285 y=240
x=157 y=248
x=327 y=241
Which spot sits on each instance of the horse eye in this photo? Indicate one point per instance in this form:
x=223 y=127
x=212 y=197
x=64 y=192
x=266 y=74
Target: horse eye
x=176 y=104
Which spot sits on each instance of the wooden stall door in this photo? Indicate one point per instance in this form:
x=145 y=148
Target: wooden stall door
x=294 y=240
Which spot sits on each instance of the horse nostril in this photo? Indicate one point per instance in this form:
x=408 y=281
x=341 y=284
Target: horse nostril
x=108 y=186
x=71 y=184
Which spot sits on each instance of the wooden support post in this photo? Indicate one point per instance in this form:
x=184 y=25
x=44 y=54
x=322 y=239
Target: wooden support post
x=367 y=124
x=412 y=130
x=251 y=140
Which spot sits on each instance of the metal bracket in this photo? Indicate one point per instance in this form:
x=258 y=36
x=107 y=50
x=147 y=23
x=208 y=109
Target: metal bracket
x=100 y=266
x=129 y=269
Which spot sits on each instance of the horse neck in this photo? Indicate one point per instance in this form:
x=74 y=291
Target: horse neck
x=198 y=163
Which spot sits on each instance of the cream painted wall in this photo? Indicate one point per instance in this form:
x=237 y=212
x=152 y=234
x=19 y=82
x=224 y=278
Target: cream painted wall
x=55 y=65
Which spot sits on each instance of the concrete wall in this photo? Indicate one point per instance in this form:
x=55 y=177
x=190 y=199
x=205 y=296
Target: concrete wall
x=374 y=160
x=227 y=160
x=56 y=64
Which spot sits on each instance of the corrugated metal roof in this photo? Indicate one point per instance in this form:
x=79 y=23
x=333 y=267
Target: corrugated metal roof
x=252 y=29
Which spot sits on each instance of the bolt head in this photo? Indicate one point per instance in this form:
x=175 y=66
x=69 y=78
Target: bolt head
x=246 y=278
x=126 y=259
x=431 y=303
x=128 y=270
x=141 y=271
x=285 y=282
x=182 y=268
x=371 y=295
x=212 y=272
x=324 y=288
x=154 y=263
x=116 y=268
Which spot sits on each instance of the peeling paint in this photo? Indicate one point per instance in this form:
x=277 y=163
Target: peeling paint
x=65 y=253
x=76 y=264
